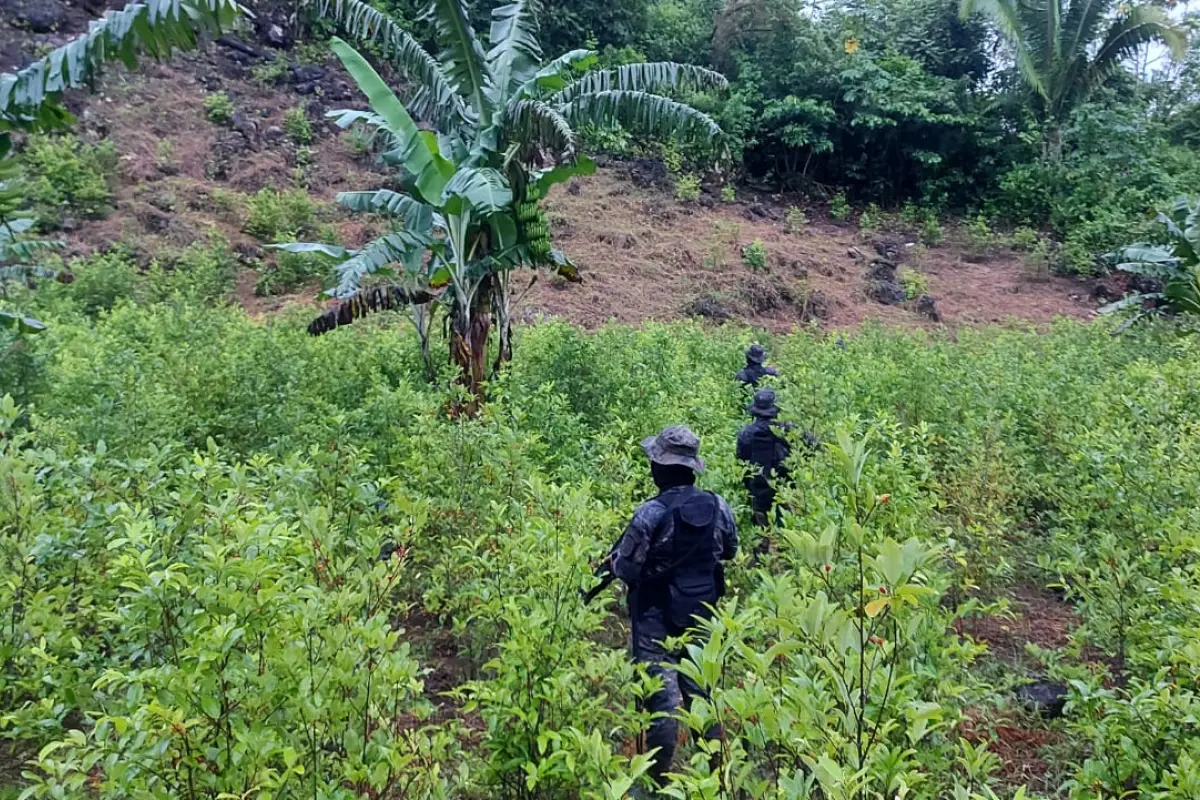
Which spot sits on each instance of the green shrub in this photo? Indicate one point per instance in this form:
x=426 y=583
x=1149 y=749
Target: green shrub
x=839 y=208
x=931 y=230
x=728 y=193
x=269 y=73
x=164 y=154
x=754 y=255
x=102 y=281
x=672 y=156
x=290 y=271
x=870 y=219
x=219 y=109
x=981 y=239
x=1117 y=172
x=203 y=272
x=296 y=125
x=358 y=140
x=796 y=219
x=1025 y=238
x=239 y=550
x=915 y=283
x=68 y=176
x=687 y=188
x=272 y=213
x=227 y=202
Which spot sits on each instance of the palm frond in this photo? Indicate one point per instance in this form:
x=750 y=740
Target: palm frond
x=653 y=76
x=367 y=301
x=1142 y=25
x=481 y=188
x=1082 y=25
x=419 y=151
x=1008 y=17
x=416 y=217
x=29 y=99
x=404 y=248
x=641 y=111
x=555 y=75
x=1128 y=302
x=23 y=272
x=462 y=55
x=536 y=122
x=23 y=324
x=515 y=53
x=26 y=251
x=432 y=97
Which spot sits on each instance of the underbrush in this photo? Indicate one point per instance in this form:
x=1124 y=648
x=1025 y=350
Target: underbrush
x=243 y=560
x=68 y=176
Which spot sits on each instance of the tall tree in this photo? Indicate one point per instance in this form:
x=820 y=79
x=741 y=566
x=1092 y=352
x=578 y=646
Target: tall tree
x=1064 y=49
x=505 y=133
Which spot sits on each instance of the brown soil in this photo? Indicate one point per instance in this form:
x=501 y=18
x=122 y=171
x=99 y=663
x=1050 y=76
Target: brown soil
x=1022 y=748
x=1039 y=617
x=643 y=255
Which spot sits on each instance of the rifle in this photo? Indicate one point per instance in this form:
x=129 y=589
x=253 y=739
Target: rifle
x=604 y=572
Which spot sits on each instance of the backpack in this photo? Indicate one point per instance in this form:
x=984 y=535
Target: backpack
x=767 y=450
x=695 y=577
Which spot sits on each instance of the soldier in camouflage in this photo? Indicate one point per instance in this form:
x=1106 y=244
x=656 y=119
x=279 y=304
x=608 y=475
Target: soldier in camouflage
x=755 y=369
x=763 y=450
x=670 y=557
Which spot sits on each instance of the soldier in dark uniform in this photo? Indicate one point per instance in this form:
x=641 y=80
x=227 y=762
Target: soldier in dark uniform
x=763 y=450
x=755 y=369
x=670 y=557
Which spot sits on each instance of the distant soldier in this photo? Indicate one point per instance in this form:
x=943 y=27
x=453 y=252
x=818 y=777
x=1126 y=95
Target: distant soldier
x=670 y=557
x=755 y=369
x=764 y=451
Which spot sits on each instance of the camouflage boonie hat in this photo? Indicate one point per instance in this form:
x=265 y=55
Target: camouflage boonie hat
x=756 y=354
x=764 y=404
x=675 y=445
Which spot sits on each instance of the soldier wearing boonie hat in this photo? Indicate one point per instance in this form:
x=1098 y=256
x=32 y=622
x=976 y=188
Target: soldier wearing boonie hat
x=670 y=557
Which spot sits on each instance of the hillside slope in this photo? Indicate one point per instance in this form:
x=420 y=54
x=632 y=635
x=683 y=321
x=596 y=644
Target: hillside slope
x=643 y=255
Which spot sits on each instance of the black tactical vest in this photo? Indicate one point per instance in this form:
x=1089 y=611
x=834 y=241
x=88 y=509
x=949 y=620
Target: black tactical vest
x=694 y=576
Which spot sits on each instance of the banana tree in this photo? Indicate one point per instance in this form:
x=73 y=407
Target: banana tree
x=1175 y=266
x=503 y=132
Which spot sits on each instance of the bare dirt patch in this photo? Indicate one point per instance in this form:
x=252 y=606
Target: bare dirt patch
x=645 y=256
x=1039 y=617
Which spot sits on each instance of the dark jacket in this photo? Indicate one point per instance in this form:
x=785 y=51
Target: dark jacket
x=751 y=374
x=646 y=547
x=759 y=445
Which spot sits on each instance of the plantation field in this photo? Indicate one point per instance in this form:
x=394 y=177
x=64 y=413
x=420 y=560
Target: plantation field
x=242 y=562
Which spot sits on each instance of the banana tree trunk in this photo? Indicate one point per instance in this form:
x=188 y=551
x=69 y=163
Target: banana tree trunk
x=470 y=329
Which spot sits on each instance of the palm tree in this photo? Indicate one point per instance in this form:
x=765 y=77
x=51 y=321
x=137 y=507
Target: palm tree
x=504 y=131
x=31 y=101
x=1065 y=49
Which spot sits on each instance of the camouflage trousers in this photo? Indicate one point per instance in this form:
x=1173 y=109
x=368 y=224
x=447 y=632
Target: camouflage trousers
x=650 y=629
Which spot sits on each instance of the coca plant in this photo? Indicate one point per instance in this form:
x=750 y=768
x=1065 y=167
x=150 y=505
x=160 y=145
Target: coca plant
x=504 y=125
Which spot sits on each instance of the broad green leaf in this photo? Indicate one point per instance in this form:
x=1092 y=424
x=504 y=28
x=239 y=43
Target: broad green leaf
x=418 y=158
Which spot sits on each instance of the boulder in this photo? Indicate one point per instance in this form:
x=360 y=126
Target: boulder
x=1046 y=697
x=39 y=16
x=928 y=306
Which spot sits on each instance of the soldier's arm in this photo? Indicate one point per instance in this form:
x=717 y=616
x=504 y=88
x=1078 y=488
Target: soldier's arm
x=629 y=557
x=743 y=447
x=726 y=530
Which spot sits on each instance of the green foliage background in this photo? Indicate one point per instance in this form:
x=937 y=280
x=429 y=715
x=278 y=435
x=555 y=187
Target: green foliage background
x=194 y=504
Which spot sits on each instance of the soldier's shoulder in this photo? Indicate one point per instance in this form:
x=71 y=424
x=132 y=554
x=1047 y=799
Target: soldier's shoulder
x=648 y=512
